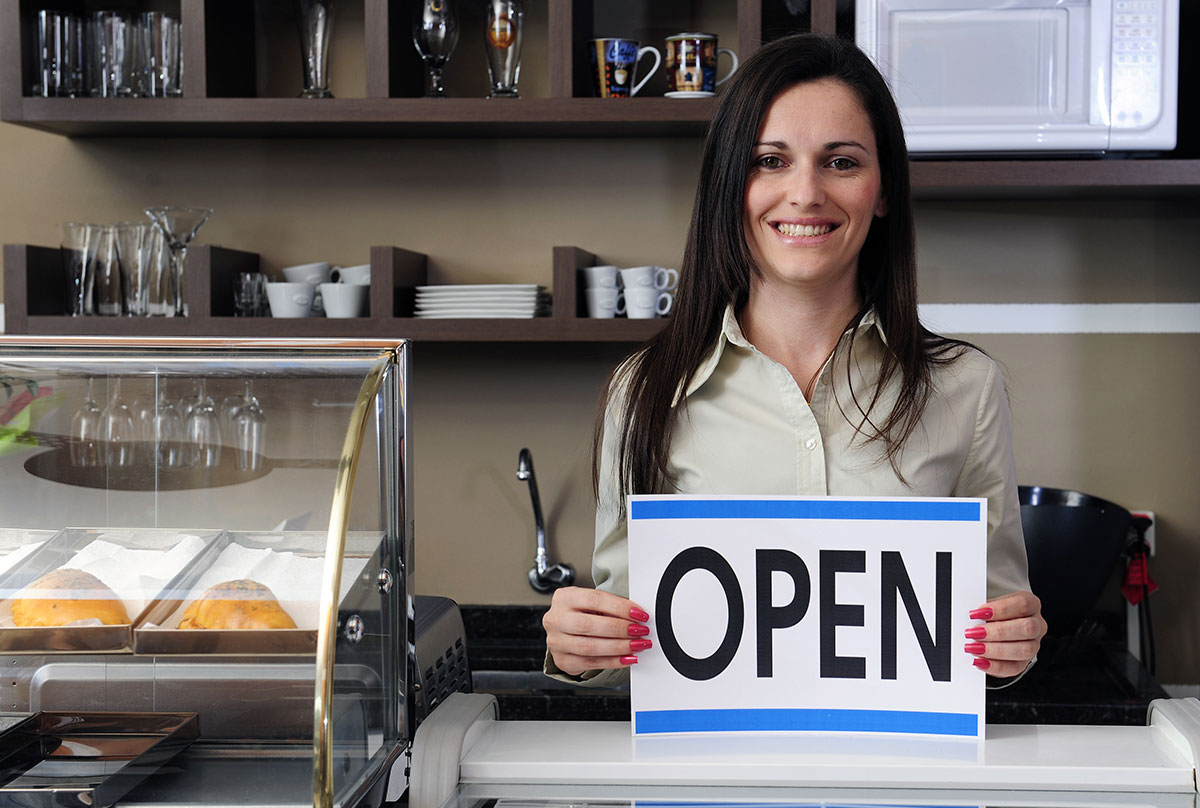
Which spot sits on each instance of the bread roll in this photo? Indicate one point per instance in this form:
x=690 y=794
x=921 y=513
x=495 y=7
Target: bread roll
x=67 y=596
x=236 y=604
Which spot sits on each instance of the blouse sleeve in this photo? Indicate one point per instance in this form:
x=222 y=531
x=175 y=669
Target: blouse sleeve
x=990 y=472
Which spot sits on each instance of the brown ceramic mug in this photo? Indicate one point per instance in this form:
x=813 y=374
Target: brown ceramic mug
x=692 y=64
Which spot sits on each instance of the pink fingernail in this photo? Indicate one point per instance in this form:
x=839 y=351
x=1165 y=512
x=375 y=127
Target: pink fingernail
x=628 y=660
x=975 y=648
x=636 y=630
x=640 y=645
x=975 y=632
x=980 y=663
x=984 y=613
x=639 y=615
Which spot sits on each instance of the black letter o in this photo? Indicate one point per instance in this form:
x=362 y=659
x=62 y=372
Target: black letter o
x=704 y=558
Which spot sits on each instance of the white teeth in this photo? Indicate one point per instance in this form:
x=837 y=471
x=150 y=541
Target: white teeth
x=803 y=229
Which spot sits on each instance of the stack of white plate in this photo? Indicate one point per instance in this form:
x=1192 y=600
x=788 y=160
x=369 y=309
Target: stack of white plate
x=499 y=300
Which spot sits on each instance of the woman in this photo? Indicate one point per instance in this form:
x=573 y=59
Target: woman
x=794 y=362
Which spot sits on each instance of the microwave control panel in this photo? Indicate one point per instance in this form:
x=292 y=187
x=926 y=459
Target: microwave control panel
x=1137 y=53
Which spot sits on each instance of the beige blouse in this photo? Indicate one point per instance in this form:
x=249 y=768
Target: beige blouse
x=745 y=428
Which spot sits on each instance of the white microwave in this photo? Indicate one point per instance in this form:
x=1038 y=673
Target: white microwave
x=1013 y=76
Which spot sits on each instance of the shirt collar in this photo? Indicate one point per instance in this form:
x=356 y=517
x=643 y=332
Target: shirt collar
x=731 y=334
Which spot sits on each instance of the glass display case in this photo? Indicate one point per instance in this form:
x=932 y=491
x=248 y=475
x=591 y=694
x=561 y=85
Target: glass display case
x=212 y=527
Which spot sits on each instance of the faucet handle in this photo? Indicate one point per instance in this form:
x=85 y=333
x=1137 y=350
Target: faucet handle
x=555 y=577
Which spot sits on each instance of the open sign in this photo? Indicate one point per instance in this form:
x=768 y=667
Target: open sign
x=807 y=614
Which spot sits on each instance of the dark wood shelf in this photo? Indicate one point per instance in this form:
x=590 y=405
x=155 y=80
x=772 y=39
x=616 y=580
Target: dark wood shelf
x=35 y=291
x=1111 y=176
x=539 y=329
x=366 y=117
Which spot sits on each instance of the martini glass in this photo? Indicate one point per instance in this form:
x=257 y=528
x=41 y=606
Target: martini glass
x=179 y=226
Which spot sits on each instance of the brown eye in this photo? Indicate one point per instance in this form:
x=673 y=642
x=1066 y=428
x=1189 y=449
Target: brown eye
x=842 y=163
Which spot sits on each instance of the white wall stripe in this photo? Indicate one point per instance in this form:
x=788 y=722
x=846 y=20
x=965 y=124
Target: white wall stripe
x=1047 y=318
x=1061 y=318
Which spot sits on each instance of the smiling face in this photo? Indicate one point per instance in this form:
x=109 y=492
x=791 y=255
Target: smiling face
x=814 y=189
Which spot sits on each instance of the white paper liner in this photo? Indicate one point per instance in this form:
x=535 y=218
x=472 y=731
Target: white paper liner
x=9 y=561
x=294 y=579
x=135 y=575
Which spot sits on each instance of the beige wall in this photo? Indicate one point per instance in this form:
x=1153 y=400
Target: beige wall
x=1110 y=415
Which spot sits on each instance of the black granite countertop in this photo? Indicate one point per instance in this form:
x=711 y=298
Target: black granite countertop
x=1081 y=680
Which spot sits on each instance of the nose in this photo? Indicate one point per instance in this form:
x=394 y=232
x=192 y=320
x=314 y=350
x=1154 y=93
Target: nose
x=806 y=188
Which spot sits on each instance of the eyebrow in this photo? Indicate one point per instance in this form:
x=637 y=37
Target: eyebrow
x=832 y=145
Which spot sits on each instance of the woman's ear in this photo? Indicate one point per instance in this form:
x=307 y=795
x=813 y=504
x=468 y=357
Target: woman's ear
x=882 y=208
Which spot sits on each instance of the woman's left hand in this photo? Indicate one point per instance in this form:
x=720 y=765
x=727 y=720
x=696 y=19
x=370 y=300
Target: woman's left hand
x=1009 y=639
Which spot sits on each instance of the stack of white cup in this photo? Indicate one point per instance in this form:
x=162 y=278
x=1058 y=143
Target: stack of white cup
x=636 y=292
x=648 y=291
x=600 y=288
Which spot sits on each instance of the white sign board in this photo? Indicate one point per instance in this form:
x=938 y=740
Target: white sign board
x=807 y=614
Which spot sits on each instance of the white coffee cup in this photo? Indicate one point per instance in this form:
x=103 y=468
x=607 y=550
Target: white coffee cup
x=308 y=273
x=672 y=278
x=642 y=303
x=648 y=277
x=604 y=302
x=600 y=277
x=290 y=299
x=344 y=299
x=358 y=274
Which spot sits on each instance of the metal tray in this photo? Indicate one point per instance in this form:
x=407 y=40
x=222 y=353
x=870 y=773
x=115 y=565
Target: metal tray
x=87 y=760
x=297 y=641
x=58 y=552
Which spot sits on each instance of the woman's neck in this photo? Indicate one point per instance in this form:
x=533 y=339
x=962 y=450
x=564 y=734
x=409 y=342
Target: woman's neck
x=799 y=330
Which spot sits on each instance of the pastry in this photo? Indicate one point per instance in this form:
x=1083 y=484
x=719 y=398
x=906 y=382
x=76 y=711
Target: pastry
x=236 y=604
x=67 y=596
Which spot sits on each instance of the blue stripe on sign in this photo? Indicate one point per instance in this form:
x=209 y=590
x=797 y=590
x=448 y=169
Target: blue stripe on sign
x=903 y=510
x=648 y=722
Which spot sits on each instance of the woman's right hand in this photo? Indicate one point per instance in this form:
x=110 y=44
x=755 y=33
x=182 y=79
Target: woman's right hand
x=589 y=629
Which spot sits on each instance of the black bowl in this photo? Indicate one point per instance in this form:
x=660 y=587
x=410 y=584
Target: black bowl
x=1074 y=541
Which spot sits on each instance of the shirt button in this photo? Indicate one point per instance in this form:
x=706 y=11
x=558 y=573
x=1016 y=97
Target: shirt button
x=811 y=443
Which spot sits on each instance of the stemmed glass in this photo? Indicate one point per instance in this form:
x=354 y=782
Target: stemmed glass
x=118 y=430
x=179 y=226
x=85 y=431
x=435 y=33
x=249 y=432
x=166 y=433
x=203 y=429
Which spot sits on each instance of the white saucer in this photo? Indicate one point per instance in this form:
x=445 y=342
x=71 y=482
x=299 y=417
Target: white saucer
x=690 y=94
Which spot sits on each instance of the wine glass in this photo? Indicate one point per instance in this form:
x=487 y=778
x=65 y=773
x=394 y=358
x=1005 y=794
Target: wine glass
x=179 y=226
x=118 y=430
x=85 y=431
x=203 y=429
x=249 y=432
x=166 y=433
x=435 y=33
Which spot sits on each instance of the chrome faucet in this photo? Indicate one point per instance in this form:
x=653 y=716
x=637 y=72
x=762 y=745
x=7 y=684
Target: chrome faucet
x=544 y=577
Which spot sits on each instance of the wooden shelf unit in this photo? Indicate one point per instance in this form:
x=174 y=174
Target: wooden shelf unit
x=35 y=291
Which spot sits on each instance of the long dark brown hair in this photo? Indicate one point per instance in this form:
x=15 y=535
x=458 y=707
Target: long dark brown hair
x=717 y=267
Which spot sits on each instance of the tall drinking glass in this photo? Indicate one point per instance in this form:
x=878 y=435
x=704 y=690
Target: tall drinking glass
x=59 y=54
x=111 y=55
x=179 y=226
x=133 y=250
x=435 y=33
x=160 y=47
x=316 y=27
x=108 y=274
x=166 y=433
x=505 y=31
x=79 y=244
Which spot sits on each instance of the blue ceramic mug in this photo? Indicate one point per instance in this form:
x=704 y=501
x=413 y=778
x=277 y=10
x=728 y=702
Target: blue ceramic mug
x=614 y=65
